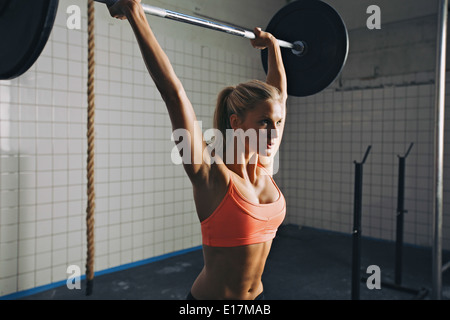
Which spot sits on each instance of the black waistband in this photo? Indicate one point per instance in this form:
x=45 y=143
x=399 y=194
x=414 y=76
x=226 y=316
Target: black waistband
x=191 y=297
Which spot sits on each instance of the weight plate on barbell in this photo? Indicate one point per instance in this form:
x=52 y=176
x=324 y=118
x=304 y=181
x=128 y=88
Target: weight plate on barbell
x=25 y=26
x=319 y=26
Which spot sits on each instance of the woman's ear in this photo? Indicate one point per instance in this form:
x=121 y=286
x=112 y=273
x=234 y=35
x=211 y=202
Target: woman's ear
x=235 y=121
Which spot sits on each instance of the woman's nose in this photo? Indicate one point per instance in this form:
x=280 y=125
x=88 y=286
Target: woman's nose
x=274 y=134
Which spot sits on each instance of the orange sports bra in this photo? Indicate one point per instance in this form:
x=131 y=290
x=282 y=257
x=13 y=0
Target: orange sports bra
x=239 y=222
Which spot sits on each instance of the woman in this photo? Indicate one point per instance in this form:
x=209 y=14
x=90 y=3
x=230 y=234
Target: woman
x=244 y=206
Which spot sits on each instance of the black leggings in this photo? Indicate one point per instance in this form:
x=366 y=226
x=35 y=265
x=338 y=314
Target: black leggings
x=191 y=297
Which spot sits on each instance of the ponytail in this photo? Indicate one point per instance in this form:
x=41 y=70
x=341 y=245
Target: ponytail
x=222 y=114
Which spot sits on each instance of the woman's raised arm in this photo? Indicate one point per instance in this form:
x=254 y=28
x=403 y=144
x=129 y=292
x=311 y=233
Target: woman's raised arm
x=180 y=109
x=276 y=74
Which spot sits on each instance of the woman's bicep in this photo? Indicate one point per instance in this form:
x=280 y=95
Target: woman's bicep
x=276 y=74
x=187 y=133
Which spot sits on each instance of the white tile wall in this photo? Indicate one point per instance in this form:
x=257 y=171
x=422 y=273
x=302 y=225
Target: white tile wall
x=144 y=204
x=334 y=128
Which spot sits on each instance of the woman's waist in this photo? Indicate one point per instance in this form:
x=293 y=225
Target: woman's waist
x=234 y=272
x=212 y=285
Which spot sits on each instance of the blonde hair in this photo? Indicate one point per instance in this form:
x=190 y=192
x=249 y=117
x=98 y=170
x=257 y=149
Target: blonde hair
x=240 y=99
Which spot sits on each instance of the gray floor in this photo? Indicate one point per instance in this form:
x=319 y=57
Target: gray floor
x=304 y=264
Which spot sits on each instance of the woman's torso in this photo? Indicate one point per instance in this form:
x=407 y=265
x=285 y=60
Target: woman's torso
x=232 y=272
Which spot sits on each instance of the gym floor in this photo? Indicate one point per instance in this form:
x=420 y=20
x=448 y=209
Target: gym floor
x=304 y=264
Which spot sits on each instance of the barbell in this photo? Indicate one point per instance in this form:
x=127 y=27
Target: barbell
x=314 y=46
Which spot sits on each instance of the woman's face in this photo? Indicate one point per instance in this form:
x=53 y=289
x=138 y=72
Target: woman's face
x=262 y=127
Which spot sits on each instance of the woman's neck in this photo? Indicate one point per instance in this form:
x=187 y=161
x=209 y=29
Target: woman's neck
x=243 y=164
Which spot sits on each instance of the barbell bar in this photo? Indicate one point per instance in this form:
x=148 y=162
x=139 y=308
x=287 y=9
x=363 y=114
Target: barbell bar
x=314 y=46
x=297 y=48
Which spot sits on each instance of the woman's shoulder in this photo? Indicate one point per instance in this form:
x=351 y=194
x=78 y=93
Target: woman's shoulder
x=215 y=175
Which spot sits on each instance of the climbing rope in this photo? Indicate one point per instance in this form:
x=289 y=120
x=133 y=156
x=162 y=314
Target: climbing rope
x=90 y=154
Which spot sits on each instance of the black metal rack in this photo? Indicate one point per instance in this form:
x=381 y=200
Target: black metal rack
x=397 y=285
x=356 y=256
x=400 y=217
x=357 y=211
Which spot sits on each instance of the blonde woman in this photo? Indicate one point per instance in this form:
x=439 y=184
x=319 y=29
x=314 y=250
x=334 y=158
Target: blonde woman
x=238 y=203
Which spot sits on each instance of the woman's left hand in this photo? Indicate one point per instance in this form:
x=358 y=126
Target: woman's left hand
x=263 y=39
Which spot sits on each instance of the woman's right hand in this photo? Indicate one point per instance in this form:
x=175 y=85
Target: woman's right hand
x=119 y=9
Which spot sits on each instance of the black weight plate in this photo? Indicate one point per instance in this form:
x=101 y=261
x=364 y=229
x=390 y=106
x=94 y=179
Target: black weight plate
x=318 y=25
x=25 y=26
